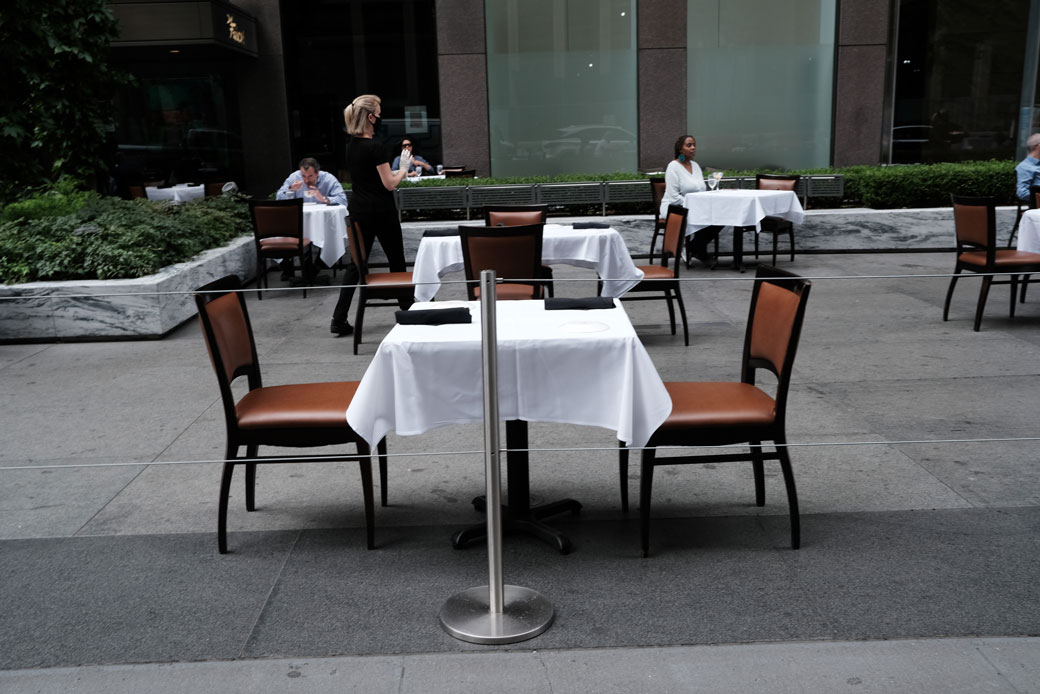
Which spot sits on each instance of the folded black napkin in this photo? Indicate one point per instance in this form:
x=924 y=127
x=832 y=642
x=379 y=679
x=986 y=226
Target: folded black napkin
x=589 y=302
x=590 y=225
x=435 y=316
x=443 y=231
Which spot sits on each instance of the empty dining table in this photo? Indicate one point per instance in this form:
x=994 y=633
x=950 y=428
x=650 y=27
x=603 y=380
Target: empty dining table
x=601 y=249
x=584 y=367
x=740 y=208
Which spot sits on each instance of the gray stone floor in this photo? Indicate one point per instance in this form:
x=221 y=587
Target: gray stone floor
x=920 y=536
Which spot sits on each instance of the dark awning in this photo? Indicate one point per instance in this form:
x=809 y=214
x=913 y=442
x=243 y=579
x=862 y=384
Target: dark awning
x=173 y=24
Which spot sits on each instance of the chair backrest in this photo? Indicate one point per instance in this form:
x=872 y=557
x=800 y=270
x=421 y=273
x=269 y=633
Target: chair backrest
x=136 y=192
x=975 y=223
x=774 y=327
x=1034 y=197
x=514 y=253
x=460 y=173
x=214 y=189
x=515 y=215
x=277 y=218
x=776 y=181
x=357 y=248
x=657 y=188
x=674 y=233
x=229 y=337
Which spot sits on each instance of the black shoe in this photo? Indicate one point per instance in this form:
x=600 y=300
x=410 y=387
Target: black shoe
x=341 y=329
x=288 y=275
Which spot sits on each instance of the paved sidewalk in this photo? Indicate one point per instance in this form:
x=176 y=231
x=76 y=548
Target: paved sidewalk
x=917 y=572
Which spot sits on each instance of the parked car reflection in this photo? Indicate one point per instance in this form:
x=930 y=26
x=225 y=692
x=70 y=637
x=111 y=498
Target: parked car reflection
x=590 y=141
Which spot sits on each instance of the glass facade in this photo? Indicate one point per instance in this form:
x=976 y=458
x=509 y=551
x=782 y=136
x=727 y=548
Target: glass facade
x=336 y=50
x=562 y=92
x=177 y=129
x=760 y=82
x=958 y=79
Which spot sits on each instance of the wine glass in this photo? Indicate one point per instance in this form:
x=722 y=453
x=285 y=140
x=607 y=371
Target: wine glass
x=712 y=182
x=717 y=177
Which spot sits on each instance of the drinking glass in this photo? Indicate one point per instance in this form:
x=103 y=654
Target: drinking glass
x=712 y=182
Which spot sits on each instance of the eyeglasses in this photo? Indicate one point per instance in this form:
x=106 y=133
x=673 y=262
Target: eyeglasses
x=406 y=144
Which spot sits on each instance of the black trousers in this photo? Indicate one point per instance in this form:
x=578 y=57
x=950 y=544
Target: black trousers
x=378 y=225
x=697 y=245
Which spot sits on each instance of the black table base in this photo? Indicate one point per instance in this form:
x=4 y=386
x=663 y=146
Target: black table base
x=519 y=516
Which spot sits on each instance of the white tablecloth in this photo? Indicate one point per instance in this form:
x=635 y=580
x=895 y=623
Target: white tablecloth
x=326 y=227
x=1029 y=231
x=178 y=193
x=600 y=249
x=428 y=376
x=742 y=208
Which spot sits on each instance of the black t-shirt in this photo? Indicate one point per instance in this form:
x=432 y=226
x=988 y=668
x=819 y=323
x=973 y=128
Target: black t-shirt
x=367 y=191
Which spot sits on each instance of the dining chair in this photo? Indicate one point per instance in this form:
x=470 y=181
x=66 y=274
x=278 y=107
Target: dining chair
x=974 y=222
x=460 y=173
x=664 y=278
x=278 y=235
x=657 y=188
x=518 y=215
x=214 y=190
x=302 y=415
x=514 y=253
x=376 y=288
x=136 y=192
x=1031 y=202
x=739 y=412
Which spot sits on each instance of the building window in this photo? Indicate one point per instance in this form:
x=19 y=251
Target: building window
x=759 y=82
x=336 y=50
x=958 y=79
x=561 y=86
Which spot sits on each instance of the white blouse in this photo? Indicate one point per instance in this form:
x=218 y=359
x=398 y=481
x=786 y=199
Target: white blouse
x=678 y=182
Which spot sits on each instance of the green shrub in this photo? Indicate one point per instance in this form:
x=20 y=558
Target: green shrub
x=110 y=238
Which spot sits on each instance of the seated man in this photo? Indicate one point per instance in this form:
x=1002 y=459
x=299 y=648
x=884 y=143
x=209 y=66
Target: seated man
x=310 y=183
x=322 y=186
x=419 y=165
x=1028 y=170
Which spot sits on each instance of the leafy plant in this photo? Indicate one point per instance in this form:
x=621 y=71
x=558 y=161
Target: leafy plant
x=110 y=238
x=58 y=88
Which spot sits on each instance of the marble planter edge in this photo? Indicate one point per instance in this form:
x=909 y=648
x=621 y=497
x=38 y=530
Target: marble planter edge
x=129 y=309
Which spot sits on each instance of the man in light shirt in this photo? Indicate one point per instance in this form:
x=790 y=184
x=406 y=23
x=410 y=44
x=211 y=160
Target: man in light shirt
x=311 y=183
x=1027 y=172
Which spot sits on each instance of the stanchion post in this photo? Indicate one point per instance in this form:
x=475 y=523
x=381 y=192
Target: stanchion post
x=495 y=613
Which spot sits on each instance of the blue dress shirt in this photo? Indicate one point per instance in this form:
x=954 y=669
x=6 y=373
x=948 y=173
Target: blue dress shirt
x=1028 y=174
x=327 y=186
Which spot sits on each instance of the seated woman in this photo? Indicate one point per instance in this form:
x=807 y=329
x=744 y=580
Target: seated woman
x=683 y=176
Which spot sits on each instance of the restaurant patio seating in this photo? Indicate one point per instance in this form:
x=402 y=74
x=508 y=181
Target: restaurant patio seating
x=776 y=225
x=517 y=215
x=377 y=288
x=665 y=279
x=303 y=415
x=278 y=234
x=974 y=221
x=657 y=188
x=727 y=413
x=770 y=224
x=514 y=253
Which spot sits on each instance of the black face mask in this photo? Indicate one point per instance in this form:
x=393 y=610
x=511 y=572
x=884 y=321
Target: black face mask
x=375 y=126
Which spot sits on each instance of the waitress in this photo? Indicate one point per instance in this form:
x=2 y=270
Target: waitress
x=371 y=199
x=683 y=176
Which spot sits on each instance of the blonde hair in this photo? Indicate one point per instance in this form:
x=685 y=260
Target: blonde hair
x=355 y=116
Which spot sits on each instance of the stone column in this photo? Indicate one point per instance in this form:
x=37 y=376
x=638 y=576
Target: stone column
x=662 y=80
x=462 y=73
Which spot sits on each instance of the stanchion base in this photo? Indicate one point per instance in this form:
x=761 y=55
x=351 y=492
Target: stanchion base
x=525 y=614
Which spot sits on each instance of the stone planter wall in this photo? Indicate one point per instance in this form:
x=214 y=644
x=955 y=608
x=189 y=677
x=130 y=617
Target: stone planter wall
x=95 y=310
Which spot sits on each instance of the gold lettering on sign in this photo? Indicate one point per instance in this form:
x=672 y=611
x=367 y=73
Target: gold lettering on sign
x=233 y=33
